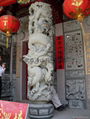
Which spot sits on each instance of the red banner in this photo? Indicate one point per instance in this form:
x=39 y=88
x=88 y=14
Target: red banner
x=59 y=52
x=13 y=110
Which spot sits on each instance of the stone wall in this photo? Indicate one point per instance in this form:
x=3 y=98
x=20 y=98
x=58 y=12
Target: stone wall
x=8 y=88
x=74 y=65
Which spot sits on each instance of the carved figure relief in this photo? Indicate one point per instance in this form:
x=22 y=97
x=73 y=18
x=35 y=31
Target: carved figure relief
x=75 y=89
x=40 y=54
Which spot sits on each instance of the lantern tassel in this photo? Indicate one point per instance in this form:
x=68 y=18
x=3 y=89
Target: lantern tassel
x=7 y=42
x=8 y=34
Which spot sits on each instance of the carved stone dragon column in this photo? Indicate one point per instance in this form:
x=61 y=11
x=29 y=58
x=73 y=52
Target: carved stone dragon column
x=40 y=60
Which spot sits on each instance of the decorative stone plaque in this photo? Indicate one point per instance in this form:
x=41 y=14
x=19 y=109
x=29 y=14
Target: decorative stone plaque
x=74 y=65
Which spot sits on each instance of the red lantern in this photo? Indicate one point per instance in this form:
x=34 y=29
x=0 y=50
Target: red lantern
x=75 y=8
x=87 y=11
x=7 y=2
x=9 y=24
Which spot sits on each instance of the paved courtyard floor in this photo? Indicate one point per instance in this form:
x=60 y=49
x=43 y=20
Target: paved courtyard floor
x=72 y=114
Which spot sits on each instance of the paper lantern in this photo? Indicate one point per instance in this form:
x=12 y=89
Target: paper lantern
x=7 y=2
x=75 y=8
x=9 y=24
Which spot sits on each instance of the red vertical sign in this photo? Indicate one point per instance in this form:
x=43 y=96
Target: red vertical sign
x=59 y=52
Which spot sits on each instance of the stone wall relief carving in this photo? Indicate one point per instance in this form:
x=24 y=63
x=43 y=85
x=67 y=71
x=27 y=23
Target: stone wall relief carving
x=74 y=52
x=75 y=89
x=74 y=66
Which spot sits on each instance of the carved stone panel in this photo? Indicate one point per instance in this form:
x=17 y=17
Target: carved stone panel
x=75 y=89
x=76 y=103
x=68 y=26
x=8 y=88
x=70 y=74
x=74 y=50
x=74 y=65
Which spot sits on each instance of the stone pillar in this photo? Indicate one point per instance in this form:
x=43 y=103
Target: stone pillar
x=40 y=60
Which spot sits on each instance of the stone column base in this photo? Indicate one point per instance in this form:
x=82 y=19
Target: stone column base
x=41 y=111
